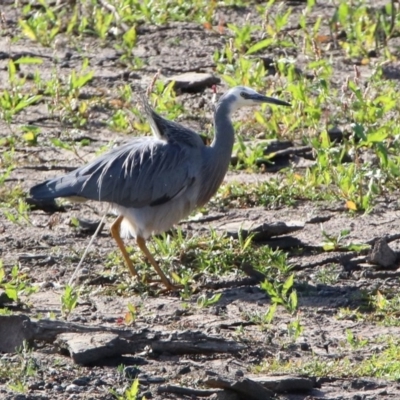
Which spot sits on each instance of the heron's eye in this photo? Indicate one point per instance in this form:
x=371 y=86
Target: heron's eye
x=244 y=95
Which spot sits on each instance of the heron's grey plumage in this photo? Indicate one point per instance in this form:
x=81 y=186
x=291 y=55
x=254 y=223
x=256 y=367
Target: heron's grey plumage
x=154 y=182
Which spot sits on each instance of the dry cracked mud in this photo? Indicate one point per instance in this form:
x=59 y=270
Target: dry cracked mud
x=174 y=343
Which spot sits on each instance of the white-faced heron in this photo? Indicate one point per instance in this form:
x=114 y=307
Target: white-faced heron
x=154 y=182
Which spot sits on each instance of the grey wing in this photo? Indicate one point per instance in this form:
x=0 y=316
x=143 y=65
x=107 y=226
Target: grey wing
x=141 y=173
x=170 y=131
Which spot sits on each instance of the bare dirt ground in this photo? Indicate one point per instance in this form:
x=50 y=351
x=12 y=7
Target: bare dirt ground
x=167 y=336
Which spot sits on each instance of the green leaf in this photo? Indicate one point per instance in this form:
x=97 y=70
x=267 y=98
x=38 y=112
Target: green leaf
x=287 y=285
x=27 y=102
x=358 y=247
x=28 y=60
x=270 y=313
x=11 y=292
x=229 y=80
x=329 y=246
x=293 y=301
x=59 y=143
x=27 y=30
x=377 y=137
x=130 y=37
x=344 y=233
x=259 y=46
x=269 y=288
x=359 y=131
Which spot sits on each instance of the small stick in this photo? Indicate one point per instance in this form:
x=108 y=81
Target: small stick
x=78 y=268
x=186 y=391
x=152 y=83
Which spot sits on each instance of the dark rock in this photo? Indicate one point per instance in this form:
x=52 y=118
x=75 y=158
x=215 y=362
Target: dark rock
x=304 y=346
x=276 y=145
x=285 y=383
x=381 y=254
x=225 y=395
x=82 y=381
x=184 y=370
x=89 y=348
x=14 y=330
x=131 y=372
x=244 y=387
x=4 y=299
x=364 y=384
x=36 y=385
x=193 y=82
x=72 y=388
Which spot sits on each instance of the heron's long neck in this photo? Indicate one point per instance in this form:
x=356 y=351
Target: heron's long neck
x=224 y=135
x=218 y=154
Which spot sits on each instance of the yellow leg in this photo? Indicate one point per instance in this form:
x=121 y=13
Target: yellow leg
x=142 y=245
x=115 y=234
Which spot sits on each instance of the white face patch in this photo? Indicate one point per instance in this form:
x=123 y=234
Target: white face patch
x=239 y=93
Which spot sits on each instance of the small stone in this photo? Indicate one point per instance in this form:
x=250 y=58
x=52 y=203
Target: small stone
x=20 y=397
x=184 y=370
x=83 y=381
x=239 y=373
x=225 y=395
x=193 y=82
x=58 y=388
x=36 y=385
x=382 y=254
x=304 y=346
x=155 y=379
x=131 y=372
x=99 y=382
x=14 y=330
x=72 y=388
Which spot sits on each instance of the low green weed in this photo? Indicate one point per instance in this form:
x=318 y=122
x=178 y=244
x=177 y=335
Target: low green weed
x=335 y=243
x=14 y=99
x=132 y=393
x=203 y=301
x=16 y=374
x=69 y=300
x=384 y=364
x=282 y=293
x=16 y=284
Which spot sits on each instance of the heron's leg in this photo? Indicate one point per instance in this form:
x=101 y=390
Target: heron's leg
x=142 y=245
x=115 y=234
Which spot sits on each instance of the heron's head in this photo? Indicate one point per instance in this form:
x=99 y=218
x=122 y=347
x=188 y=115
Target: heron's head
x=242 y=96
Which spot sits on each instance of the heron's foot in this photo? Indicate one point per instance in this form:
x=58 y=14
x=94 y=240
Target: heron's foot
x=169 y=287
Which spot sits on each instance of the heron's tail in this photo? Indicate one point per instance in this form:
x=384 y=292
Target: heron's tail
x=53 y=188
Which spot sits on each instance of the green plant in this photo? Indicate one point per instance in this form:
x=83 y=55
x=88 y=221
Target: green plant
x=13 y=100
x=264 y=320
x=334 y=243
x=203 y=301
x=355 y=341
x=131 y=314
x=386 y=308
x=41 y=27
x=16 y=284
x=18 y=372
x=295 y=329
x=132 y=393
x=17 y=211
x=69 y=300
x=282 y=293
x=382 y=364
